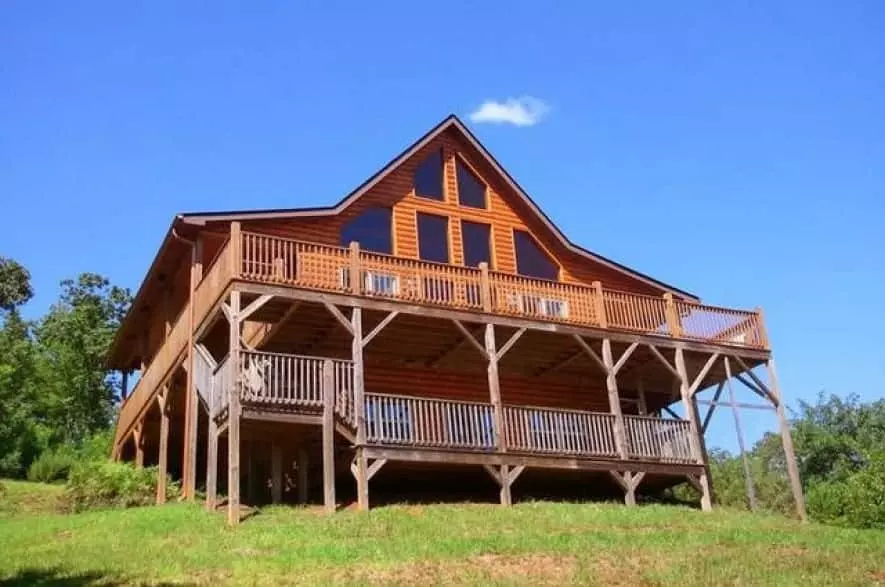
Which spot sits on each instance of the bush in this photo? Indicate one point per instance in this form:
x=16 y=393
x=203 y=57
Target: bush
x=858 y=501
x=105 y=484
x=52 y=465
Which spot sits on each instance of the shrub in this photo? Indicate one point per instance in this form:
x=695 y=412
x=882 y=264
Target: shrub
x=105 y=484
x=52 y=465
x=858 y=501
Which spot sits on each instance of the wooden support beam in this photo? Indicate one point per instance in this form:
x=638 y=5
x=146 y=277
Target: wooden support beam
x=280 y=324
x=375 y=467
x=590 y=353
x=624 y=357
x=712 y=405
x=559 y=364
x=494 y=385
x=163 y=453
x=212 y=465
x=765 y=389
x=510 y=342
x=614 y=401
x=339 y=316
x=253 y=307
x=302 y=466
x=381 y=325
x=504 y=478
x=233 y=413
x=663 y=360
x=360 y=470
x=462 y=341
x=673 y=414
x=787 y=440
x=745 y=461
x=469 y=337
x=138 y=437
x=643 y=404
x=752 y=387
x=328 y=437
x=706 y=369
x=742 y=405
x=276 y=474
x=359 y=379
x=695 y=432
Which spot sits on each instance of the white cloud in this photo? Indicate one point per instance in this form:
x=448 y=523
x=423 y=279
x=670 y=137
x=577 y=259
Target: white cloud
x=524 y=111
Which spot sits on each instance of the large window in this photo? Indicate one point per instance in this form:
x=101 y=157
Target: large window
x=429 y=177
x=476 y=238
x=531 y=260
x=433 y=238
x=471 y=191
x=371 y=229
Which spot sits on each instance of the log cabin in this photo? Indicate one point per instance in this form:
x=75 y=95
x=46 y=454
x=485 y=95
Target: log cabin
x=434 y=319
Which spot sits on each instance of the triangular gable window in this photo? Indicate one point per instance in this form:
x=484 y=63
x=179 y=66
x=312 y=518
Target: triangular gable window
x=429 y=177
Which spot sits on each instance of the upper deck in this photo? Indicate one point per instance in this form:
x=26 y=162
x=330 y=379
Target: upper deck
x=263 y=259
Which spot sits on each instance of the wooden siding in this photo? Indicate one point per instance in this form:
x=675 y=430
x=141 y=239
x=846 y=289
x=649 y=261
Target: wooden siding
x=506 y=212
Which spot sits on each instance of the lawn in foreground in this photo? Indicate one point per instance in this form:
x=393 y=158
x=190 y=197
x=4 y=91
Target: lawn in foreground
x=531 y=543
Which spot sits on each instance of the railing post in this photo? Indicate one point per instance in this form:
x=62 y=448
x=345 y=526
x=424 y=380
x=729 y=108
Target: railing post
x=328 y=384
x=355 y=282
x=236 y=249
x=672 y=316
x=599 y=304
x=485 y=287
x=760 y=326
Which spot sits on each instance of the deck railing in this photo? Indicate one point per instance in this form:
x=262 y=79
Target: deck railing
x=272 y=259
x=426 y=422
x=221 y=382
x=658 y=439
x=564 y=432
x=280 y=380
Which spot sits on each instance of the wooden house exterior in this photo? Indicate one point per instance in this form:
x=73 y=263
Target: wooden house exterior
x=434 y=317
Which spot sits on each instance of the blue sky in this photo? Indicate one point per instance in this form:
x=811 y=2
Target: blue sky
x=734 y=151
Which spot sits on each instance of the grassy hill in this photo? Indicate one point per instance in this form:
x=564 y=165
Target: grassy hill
x=530 y=543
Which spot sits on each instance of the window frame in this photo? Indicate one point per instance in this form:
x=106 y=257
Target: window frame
x=448 y=236
x=540 y=248
x=442 y=176
x=491 y=242
x=461 y=162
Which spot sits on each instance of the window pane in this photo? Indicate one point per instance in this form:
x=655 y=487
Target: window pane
x=471 y=191
x=433 y=238
x=371 y=229
x=531 y=261
x=477 y=246
x=428 y=177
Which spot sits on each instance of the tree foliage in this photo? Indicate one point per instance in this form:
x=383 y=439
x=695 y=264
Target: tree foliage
x=54 y=387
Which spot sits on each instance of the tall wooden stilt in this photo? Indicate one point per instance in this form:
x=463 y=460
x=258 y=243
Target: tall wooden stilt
x=494 y=385
x=695 y=434
x=328 y=437
x=787 y=439
x=748 y=475
x=163 y=456
x=138 y=436
x=233 y=426
x=212 y=465
x=362 y=479
x=192 y=402
x=302 y=467
x=614 y=400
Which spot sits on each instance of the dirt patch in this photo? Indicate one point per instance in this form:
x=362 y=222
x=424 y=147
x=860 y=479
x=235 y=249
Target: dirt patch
x=533 y=569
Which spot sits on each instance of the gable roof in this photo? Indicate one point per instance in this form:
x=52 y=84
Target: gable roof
x=450 y=122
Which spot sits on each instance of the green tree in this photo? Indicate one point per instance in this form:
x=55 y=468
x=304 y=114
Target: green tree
x=15 y=284
x=73 y=339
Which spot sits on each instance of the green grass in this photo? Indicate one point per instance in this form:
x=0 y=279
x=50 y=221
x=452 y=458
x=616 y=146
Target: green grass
x=531 y=543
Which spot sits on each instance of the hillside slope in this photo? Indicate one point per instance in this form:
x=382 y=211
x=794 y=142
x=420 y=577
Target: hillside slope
x=530 y=543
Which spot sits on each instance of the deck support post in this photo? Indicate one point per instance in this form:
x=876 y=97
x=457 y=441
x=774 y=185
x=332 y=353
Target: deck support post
x=505 y=476
x=138 y=437
x=302 y=465
x=328 y=437
x=233 y=411
x=163 y=453
x=276 y=473
x=628 y=481
x=695 y=431
x=212 y=464
x=745 y=461
x=614 y=401
x=192 y=402
x=494 y=386
x=787 y=441
x=361 y=473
